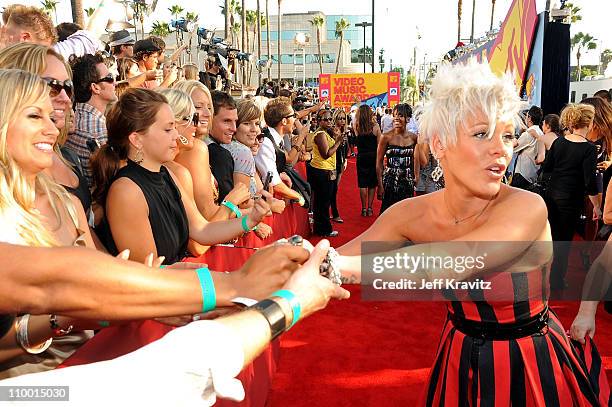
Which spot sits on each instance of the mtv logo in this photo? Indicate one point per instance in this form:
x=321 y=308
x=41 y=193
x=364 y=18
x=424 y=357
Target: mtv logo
x=393 y=91
x=325 y=93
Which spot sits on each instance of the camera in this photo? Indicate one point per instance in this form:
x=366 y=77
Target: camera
x=182 y=25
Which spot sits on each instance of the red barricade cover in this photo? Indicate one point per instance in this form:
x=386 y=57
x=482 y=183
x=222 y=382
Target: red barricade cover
x=256 y=378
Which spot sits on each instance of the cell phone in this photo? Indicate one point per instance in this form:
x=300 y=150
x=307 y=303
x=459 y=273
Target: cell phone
x=267 y=181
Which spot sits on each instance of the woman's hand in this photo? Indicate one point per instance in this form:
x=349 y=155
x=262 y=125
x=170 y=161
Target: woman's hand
x=380 y=192
x=260 y=208
x=239 y=194
x=313 y=290
x=604 y=165
x=277 y=205
x=267 y=270
x=285 y=178
x=263 y=231
x=150 y=261
x=583 y=325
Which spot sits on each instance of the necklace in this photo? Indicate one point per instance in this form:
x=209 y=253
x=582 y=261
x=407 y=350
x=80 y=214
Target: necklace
x=475 y=216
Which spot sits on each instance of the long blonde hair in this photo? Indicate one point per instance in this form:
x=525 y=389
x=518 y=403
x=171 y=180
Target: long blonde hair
x=19 y=89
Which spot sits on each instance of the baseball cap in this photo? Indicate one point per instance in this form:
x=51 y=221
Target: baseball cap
x=122 y=37
x=146 y=45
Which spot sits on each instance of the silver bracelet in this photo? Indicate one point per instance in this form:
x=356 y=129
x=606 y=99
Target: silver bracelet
x=21 y=332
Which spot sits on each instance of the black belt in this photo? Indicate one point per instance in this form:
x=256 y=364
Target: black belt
x=492 y=331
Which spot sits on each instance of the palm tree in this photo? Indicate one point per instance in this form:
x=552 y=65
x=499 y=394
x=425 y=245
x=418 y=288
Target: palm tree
x=228 y=23
x=341 y=26
x=574 y=12
x=190 y=17
x=605 y=58
x=160 y=29
x=259 y=21
x=89 y=11
x=579 y=42
x=50 y=7
x=317 y=22
x=176 y=10
x=268 y=41
x=77 y=11
x=459 y=11
x=278 y=40
x=492 y=13
x=251 y=22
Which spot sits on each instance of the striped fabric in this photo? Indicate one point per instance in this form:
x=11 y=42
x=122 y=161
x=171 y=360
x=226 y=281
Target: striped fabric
x=545 y=369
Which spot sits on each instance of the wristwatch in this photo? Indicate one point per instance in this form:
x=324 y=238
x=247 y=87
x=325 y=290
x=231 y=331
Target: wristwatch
x=274 y=314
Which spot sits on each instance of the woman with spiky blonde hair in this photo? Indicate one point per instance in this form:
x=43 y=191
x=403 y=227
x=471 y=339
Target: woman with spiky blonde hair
x=500 y=345
x=34 y=211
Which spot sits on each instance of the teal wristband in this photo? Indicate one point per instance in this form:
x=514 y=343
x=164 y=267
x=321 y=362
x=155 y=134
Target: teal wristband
x=209 y=296
x=232 y=207
x=245 y=226
x=104 y=324
x=293 y=301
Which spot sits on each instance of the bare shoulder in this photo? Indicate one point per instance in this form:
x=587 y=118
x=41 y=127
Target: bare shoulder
x=410 y=217
x=124 y=193
x=179 y=173
x=520 y=201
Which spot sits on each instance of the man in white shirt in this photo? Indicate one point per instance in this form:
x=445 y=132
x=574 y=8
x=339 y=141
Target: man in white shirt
x=527 y=149
x=280 y=118
x=386 y=122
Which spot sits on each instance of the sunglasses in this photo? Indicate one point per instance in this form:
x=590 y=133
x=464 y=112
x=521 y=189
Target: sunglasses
x=108 y=79
x=57 y=87
x=195 y=119
x=325 y=119
x=294 y=115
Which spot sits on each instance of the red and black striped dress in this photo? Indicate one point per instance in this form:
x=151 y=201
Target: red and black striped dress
x=544 y=369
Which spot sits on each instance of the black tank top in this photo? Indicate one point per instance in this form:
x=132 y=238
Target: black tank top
x=167 y=214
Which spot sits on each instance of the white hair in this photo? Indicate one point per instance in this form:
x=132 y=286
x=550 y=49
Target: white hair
x=460 y=92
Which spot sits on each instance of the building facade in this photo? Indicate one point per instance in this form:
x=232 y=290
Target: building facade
x=299 y=62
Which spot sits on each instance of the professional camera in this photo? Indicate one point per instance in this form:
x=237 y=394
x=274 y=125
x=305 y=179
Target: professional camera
x=182 y=25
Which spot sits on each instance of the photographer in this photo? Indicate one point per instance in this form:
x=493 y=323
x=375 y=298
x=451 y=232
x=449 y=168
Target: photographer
x=215 y=76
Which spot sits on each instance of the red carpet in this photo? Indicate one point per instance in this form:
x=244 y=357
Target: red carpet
x=358 y=353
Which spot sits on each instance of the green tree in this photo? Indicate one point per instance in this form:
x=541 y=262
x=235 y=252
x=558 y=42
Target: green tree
x=317 y=22
x=50 y=7
x=191 y=17
x=605 y=57
x=89 y=11
x=580 y=42
x=160 y=29
x=574 y=12
x=341 y=26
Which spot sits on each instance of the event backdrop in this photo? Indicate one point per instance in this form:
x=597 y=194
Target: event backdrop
x=345 y=90
x=509 y=51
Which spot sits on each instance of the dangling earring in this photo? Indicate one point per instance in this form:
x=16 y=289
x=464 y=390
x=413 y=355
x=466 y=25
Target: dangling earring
x=139 y=158
x=437 y=173
x=183 y=140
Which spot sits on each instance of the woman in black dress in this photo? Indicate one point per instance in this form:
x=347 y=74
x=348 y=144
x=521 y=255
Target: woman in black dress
x=368 y=135
x=339 y=120
x=396 y=179
x=571 y=163
x=147 y=211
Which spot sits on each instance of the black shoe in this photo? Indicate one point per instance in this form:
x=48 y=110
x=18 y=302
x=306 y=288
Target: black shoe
x=333 y=233
x=364 y=212
x=337 y=219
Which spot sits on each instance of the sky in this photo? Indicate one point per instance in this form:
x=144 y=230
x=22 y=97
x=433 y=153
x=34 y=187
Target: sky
x=397 y=21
